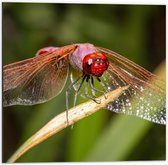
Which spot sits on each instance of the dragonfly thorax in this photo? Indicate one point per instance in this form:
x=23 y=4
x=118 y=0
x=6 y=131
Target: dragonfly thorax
x=82 y=50
x=86 y=59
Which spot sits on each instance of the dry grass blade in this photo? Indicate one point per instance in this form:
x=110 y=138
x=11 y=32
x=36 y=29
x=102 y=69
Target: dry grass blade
x=59 y=122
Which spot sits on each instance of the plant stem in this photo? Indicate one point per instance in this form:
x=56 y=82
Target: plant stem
x=59 y=122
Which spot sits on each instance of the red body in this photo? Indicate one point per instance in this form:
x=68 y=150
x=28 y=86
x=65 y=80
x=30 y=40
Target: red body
x=89 y=60
x=85 y=58
x=45 y=50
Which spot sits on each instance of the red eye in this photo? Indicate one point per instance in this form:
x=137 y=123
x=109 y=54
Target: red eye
x=95 y=64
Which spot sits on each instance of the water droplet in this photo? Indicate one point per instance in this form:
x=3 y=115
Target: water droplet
x=127 y=100
x=150 y=94
x=141 y=89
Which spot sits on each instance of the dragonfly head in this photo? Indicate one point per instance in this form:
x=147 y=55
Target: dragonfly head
x=95 y=64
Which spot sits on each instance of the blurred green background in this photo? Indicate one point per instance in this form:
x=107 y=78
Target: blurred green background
x=135 y=31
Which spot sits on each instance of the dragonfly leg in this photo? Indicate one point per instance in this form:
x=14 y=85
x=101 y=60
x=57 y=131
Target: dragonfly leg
x=94 y=89
x=67 y=95
x=77 y=91
x=104 y=86
x=86 y=91
x=91 y=83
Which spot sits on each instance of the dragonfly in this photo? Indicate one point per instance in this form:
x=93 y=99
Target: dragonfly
x=40 y=78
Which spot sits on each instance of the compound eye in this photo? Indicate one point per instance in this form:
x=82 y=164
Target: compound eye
x=90 y=61
x=98 y=60
x=95 y=64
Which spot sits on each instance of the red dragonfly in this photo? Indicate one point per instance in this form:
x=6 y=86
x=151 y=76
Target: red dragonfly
x=39 y=79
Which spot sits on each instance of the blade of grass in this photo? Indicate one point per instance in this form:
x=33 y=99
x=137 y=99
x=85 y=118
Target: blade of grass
x=59 y=122
x=80 y=140
x=41 y=115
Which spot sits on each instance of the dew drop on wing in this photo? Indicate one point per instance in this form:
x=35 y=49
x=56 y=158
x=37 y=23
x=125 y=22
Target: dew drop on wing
x=148 y=105
x=144 y=102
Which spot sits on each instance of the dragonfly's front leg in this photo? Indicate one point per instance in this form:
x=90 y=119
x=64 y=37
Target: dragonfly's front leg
x=93 y=89
x=76 y=92
x=86 y=92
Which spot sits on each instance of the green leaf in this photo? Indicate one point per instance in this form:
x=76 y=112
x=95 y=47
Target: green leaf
x=118 y=140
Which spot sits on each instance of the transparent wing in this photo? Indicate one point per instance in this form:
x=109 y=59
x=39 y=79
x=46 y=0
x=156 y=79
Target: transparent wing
x=74 y=75
x=35 y=80
x=145 y=97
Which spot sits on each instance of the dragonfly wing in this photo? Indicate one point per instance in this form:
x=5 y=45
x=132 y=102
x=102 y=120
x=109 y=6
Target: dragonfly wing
x=20 y=72
x=35 y=81
x=145 y=97
x=74 y=75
